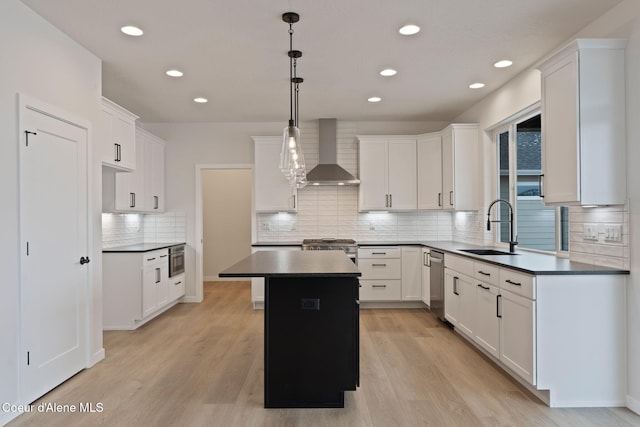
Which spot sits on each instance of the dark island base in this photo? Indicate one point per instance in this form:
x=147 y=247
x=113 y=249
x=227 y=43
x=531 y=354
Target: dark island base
x=311 y=341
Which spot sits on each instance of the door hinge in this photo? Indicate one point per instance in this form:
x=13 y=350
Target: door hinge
x=26 y=136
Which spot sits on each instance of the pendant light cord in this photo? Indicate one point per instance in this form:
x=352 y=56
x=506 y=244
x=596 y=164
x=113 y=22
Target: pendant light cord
x=291 y=122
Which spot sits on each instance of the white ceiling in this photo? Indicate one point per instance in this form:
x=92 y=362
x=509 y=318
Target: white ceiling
x=234 y=53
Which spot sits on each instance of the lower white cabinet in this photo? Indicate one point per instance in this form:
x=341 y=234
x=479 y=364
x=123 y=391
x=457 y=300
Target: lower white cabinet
x=426 y=277
x=517 y=334
x=381 y=269
x=411 y=273
x=486 y=331
x=136 y=287
x=459 y=301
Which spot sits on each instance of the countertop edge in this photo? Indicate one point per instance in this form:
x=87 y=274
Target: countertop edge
x=133 y=249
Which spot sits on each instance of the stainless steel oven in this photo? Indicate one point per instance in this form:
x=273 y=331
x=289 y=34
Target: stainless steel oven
x=176 y=260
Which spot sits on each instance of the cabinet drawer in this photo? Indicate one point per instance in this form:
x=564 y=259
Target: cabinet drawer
x=380 y=290
x=176 y=287
x=380 y=268
x=518 y=283
x=460 y=264
x=379 y=252
x=155 y=257
x=487 y=273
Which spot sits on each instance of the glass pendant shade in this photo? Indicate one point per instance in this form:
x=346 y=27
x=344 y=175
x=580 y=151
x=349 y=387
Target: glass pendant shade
x=291 y=158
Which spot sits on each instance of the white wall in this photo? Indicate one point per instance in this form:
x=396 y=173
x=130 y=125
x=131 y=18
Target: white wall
x=44 y=63
x=524 y=90
x=226 y=222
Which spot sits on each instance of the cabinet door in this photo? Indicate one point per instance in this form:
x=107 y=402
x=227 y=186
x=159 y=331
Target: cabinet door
x=108 y=148
x=560 y=135
x=430 y=172
x=451 y=296
x=163 y=286
x=402 y=174
x=272 y=191
x=517 y=335
x=411 y=273
x=150 y=279
x=426 y=277
x=153 y=174
x=129 y=187
x=373 y=191
x=467 y=306
x=447 y=170
x=125 y=135
x=486 y=331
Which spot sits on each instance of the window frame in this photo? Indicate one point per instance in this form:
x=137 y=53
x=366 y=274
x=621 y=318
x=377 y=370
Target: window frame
x=509 y=125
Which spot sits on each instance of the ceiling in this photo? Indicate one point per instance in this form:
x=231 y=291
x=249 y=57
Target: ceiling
x=235 y=53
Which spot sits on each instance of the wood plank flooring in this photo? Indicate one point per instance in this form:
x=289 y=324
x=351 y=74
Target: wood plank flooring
x=202 y=365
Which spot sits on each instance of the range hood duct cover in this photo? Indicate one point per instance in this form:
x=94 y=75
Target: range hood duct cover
x=328 y=171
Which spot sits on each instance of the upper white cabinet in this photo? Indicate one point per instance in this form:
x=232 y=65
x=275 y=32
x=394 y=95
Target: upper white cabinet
x=460 y=167
x=583 y=124
x=272 y=191
x=430 y=171
x=388 y=173
x=153 y=176
x=141 y=190
x=117 y=136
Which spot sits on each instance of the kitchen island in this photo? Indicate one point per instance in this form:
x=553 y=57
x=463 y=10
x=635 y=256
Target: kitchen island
x=311 y=326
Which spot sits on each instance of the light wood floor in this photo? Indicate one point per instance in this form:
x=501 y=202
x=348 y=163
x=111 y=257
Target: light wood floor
x=202 y=365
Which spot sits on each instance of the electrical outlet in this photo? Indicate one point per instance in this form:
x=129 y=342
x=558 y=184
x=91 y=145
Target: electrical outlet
x=613 y=232
x=266 y=226
x=590 y=232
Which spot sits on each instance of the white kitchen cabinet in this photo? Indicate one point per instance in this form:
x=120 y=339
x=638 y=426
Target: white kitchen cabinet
x=257 y=283
x=136 y=287
x=381 y=269
x=116 y=136
x=583 y=124
x=426 y=277
x=429 y=149
x=153 y=175
x=411 y=282
x=460 y=167
x=518 y=334
x=272 y=191
x=486 y=331
x=129 y=186
x=388 y=173
x=459 y=301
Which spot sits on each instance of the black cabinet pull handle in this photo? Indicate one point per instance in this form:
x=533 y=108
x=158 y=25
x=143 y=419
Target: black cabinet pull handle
x=84 y=260
x=177 y=283
x=439 y=199
x=498 y=306
x=163 y=256
x=540 y=189
x=483 y=273
x=513 y=283
x=132 y=200
x=378 y=286
x=378 y=265
x=156 y=202
x=378 y=253
x=486 y=288
x=158 y=278
x=151 y=259
x=455 y=285
x=451 y=198
x=390 y=200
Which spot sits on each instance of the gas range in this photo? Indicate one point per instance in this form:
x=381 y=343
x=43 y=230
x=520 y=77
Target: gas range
x=328 y=244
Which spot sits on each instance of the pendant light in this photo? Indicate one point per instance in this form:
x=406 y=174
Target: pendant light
x=291 y=158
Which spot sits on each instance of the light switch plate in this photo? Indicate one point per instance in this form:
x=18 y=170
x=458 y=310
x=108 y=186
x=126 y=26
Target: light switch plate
x=613 y=232
x=590 y=232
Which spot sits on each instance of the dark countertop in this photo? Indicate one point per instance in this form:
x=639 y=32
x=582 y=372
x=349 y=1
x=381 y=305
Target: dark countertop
x=140 y=247
x=527 y=262
x=293 y=263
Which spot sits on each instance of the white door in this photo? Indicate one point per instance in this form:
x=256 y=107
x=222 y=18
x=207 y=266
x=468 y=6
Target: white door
x=54 y=235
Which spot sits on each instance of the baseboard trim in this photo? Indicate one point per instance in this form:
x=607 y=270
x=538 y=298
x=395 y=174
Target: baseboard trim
x=225 y=279
x=191 y=299
x=391 y=304
x=633 y=404
x=96 y=357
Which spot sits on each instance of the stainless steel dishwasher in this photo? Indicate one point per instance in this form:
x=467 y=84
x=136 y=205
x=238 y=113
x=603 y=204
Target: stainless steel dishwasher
x=436 y=279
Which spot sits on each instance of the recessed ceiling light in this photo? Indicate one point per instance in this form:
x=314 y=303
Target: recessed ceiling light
x=130 y=30
x=175 y=73
x=409 y=29
x=503 y=64
x=200 y=100
x=476 y=85
x=374 y=99
x=387 y=72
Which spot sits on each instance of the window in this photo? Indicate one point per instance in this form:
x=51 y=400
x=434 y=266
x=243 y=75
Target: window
x=519 y=155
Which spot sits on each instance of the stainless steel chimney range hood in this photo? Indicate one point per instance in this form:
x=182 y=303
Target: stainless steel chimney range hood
x=328 y=171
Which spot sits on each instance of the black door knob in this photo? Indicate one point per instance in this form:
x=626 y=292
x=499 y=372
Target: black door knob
x=84 y=260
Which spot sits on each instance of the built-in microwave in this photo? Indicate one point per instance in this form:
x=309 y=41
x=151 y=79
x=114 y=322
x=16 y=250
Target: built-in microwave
x=176 y=260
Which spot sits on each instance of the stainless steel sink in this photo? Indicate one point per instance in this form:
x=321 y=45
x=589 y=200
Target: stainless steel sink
x=486 y=252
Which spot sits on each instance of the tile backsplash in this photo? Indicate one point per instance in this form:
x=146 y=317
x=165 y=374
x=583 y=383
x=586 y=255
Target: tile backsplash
x=130 y=228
